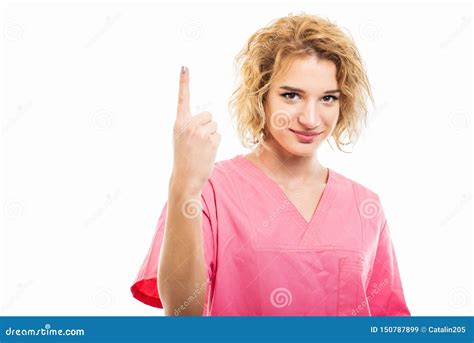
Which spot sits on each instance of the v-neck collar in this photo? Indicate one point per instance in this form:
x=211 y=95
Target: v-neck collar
x=321 y=209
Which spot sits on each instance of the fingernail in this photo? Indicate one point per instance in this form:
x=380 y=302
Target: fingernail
x=183 y=69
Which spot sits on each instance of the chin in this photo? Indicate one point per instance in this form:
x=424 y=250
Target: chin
x=293 y=147
x=303 y=152
x=299 y=149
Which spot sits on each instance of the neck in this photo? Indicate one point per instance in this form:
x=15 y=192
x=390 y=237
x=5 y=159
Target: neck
x=288 y=167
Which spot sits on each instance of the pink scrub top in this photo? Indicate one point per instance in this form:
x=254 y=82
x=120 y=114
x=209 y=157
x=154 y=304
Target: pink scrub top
x=264 y=259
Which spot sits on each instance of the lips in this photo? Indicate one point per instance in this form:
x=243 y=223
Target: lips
x=306 y=133
x=305 y=137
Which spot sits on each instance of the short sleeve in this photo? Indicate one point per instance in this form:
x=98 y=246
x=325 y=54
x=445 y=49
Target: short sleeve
x=385 y=292
x=145 y=285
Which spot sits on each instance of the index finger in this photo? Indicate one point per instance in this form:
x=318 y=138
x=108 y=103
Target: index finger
x=183 y=94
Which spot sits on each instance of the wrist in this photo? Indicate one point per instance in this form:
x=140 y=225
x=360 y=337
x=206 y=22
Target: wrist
x=180 y=187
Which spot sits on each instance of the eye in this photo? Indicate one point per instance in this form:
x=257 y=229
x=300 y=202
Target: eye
x=330 y=99
x=290 y=96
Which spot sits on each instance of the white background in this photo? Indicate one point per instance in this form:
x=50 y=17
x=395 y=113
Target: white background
x=88 y=102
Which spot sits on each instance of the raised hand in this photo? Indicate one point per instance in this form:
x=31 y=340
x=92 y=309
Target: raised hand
x=195 y=142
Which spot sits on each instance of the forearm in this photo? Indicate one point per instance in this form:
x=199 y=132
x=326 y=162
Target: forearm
x=181 y=271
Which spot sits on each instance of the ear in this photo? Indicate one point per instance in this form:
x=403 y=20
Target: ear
x=263 y=134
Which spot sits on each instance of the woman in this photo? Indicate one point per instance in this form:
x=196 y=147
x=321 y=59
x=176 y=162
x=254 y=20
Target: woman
x=275 y=232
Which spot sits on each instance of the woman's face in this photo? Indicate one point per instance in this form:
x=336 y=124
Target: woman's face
x=302 y=106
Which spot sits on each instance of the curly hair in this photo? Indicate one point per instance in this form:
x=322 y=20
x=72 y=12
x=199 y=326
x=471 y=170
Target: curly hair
x=261 y=62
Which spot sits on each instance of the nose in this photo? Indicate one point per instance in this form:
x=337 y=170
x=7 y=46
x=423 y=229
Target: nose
x=310 y=117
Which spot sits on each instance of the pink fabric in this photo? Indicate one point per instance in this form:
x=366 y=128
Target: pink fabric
x=264 y=259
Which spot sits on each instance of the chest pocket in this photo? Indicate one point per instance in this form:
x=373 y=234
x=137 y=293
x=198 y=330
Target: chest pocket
x=352 y=280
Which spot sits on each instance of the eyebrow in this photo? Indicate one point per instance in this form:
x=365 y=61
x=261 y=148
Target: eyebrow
x=294 y=89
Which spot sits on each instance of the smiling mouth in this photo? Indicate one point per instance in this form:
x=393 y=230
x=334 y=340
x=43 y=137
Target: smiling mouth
x=307 y=134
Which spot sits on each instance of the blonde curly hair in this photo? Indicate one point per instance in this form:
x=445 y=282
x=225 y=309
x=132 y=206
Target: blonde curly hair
x=260 y=62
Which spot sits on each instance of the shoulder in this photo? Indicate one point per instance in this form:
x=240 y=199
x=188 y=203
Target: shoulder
x=366 y=199
x=226 y=175
x=228 y=170
x=347 y=184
